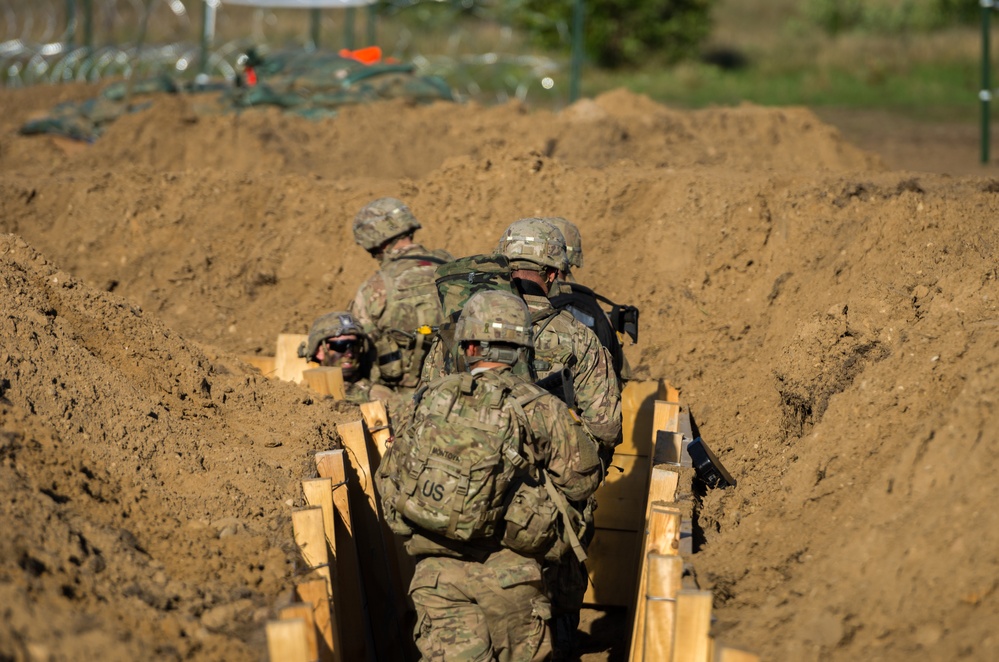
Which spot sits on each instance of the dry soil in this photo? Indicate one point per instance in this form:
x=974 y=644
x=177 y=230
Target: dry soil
x=829 y=313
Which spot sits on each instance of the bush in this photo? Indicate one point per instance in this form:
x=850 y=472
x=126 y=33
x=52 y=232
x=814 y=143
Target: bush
x=891 y=16
x=619 y=32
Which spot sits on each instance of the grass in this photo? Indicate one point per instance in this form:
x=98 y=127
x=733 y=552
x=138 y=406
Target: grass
x=788 y=60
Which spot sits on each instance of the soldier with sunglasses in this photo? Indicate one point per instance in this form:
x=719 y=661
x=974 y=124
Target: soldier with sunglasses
x=337 y=339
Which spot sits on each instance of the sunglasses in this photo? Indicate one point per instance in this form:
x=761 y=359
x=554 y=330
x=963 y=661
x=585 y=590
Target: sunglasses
x=339 y=346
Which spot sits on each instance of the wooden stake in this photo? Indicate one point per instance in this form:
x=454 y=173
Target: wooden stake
x=287 y=641
x=693 y=622
x=319 y=492
x=376 y=418
x=352 y=611
x=725 y=654
x=662 y=537
x=325 y=380
x=385 y=600
x=265 y=364
x=287 y=364
x=313 y=593
x=304 y=612
x=663 y=582
x=307 y=524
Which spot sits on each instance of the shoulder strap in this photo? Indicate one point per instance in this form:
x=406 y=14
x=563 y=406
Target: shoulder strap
x=425 y=258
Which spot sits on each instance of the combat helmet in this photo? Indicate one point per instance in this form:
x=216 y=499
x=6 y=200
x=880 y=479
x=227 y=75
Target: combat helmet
x=535 y=241
x=573 y=240
x=330 y=325
x=382 y=220
x=495 y=316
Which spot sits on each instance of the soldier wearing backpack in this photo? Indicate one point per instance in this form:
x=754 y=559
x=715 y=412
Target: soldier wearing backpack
x=337 y=339
x=398 y=305
x=479 y=483
x=536 y=250
x=584 y=303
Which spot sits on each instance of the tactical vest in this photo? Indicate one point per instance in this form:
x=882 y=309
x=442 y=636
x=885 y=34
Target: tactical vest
x=411 y=304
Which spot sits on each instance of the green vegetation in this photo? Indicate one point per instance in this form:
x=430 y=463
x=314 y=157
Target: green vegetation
x=775 y=52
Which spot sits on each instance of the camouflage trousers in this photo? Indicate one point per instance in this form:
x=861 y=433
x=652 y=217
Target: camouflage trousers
x=468 y=611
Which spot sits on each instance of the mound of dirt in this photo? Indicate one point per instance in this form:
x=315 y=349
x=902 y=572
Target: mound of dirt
x=831 y=324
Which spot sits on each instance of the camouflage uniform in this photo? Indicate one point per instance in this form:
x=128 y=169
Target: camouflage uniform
x=358 y=387
x=560 y=339
x=475 y=599
x=400 y=298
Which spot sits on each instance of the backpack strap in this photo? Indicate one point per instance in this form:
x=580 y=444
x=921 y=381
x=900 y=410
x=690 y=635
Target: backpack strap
x=424 y=258
x=563 y=510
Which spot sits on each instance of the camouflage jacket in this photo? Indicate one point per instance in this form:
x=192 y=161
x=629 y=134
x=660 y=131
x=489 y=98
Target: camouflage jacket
x=390 y=306
x=556 y=441
x=557 y=337
x=364 y=390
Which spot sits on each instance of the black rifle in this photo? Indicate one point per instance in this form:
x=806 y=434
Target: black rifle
x=559 y=384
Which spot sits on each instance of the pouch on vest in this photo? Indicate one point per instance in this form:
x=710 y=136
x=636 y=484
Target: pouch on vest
x=389 y=359
x=531 y=520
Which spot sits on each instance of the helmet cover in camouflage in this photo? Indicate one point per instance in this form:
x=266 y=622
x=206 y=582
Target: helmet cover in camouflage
x=533 y=240
x=495 y=316
x=573 y=240
x=382 y=220
x=330 y=325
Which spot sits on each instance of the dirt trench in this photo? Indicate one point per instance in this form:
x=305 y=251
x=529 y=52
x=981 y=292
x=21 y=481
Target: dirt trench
x=831 y=324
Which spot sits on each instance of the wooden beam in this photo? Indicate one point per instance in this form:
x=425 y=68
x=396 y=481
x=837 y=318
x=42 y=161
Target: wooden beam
x=622 y=496
x=693 y=623
x=319 y=492
x=725 y=654
x=287 y=641
x=661 y=537
x=663 y=583
x=307 y=524
x=377 y=420
x=287 y=364
x=265 y=364
x=303 y=611
x=382 y=585
x=325 y=380
x=352 y=612
x=612 y=582
x=637 y=403
x=313 y=593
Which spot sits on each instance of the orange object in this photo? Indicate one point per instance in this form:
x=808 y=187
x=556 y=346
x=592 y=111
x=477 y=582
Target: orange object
x=366 y=55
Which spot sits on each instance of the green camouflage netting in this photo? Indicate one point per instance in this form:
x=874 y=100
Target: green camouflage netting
x=305 y=83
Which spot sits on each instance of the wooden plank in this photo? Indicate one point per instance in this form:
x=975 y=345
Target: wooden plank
x=622 y=496
x=310 y=537
x=663 y=583
x=328 y=642
x=319 y=492
x=661 y=537
x=723 y=653
x=693 y=623
x=303 y=611
x=287 y=641
x=325 y=380
x=352 y=612
x=377 y=420
x=612 y=580
x=265 y=364
x=669 y=447
x=385 y=596
x=287 y=365
x=637 y=404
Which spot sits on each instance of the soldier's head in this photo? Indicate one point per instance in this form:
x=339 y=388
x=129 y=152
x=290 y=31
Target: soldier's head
x=337 y=339
x=495 y=327
x=573 y=242
x=383 y=222
x=536 y=250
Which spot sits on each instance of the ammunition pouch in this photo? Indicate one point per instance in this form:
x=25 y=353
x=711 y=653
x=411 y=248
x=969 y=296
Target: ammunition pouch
x=531 y=520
